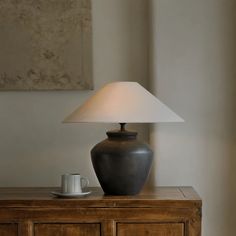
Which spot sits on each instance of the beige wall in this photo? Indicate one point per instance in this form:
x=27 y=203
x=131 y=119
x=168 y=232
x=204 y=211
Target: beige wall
x=193 y=71
x=36 y=148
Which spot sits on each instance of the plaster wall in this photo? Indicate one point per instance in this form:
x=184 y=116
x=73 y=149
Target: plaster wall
x=36 y=148
x=192 y=59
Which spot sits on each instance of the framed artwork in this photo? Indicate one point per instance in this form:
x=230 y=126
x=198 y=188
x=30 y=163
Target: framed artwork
x=45 y=45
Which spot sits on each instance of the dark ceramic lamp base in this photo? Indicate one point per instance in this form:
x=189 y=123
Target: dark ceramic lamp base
x=121 y=162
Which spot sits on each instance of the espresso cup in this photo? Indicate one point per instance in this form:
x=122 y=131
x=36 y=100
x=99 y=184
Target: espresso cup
x=73 y=183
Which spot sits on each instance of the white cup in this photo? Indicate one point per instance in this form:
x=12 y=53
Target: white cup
x=73 y=183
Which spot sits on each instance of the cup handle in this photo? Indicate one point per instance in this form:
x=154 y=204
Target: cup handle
x=84 y=182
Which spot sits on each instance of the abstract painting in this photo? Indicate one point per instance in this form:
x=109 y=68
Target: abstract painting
x=45 y=45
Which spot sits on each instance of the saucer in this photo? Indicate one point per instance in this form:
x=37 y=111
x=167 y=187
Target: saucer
x=70 y=195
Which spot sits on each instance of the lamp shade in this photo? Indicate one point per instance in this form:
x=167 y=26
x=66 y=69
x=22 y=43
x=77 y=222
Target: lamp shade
x=123 y=102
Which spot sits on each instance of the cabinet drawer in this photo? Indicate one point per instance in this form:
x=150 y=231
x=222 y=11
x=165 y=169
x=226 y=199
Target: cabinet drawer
x=150 y=229
x=49 y=229
x=8 y=229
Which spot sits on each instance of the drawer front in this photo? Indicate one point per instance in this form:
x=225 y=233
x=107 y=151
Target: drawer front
x=8 y=229
x=150 y=229
x=67 y=229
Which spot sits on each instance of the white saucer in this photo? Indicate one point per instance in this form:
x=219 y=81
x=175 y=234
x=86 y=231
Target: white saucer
x=70 y=195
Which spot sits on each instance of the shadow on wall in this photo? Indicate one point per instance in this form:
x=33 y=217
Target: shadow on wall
x=193 y=70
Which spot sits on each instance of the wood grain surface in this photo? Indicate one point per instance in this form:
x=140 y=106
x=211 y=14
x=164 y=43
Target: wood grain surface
x=161 y=211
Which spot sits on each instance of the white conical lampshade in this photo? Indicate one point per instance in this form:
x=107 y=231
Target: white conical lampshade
x=123 y=102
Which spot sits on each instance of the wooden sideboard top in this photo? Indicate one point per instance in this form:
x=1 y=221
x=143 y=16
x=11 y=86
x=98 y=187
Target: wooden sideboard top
x=42 y=197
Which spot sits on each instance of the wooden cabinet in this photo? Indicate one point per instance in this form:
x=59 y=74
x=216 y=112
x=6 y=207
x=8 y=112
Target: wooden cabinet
x=163 y=211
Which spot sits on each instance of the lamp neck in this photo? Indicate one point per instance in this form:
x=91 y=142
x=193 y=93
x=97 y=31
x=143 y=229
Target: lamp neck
x=122 y=134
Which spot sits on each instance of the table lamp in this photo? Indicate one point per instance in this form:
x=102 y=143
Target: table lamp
x=122 y=162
